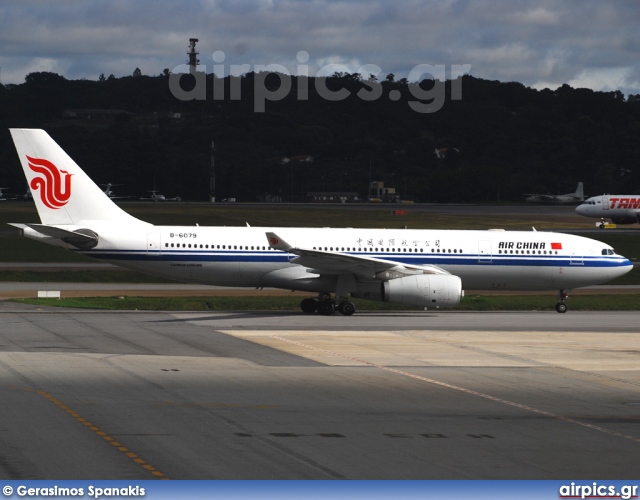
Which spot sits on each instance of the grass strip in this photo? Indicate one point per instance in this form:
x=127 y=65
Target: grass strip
x=603 y=302
x=70 y=276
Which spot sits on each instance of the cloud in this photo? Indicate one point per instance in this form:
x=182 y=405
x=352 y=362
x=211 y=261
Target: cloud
x=536 y=16
x=541 y=42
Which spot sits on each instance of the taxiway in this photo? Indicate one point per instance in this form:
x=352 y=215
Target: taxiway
x=411 y=395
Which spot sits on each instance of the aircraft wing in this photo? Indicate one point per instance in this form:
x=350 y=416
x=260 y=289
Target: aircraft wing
x=81 y=238
x=546 y=197
x=323 y=262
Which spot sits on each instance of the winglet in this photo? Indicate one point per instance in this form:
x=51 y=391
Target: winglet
x=276 y=242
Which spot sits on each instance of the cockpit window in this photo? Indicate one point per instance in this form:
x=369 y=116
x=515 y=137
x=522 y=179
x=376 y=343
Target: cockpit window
x=608 y=251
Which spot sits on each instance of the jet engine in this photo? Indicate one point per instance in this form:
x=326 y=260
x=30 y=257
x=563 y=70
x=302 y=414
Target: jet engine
x=424 y=290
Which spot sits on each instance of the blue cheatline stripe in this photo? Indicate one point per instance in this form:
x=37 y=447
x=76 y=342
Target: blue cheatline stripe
x=416 y=259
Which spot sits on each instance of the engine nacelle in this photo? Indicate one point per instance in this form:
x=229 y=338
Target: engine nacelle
x=424 y=290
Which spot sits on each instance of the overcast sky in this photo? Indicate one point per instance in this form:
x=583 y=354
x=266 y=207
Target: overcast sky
x=541 y=43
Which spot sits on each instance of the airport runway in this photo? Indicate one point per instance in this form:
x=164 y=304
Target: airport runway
x=142 y=395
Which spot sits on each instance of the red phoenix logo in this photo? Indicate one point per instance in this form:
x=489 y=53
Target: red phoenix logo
x=55 y=190
x=274 y=240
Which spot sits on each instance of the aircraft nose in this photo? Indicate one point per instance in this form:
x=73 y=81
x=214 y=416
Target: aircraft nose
x=581 y=209
x=625 y=266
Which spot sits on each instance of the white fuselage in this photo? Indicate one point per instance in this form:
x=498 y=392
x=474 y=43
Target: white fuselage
x=621 y=208
x=242 y=257
x=413 y=267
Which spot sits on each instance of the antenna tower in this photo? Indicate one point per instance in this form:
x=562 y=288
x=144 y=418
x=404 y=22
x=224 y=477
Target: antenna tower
x=193 y=55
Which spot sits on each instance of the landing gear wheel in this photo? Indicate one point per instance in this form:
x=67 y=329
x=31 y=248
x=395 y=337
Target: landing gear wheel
x=561 y=307
x=326 y=307
x=308 y=305
x=346 y=308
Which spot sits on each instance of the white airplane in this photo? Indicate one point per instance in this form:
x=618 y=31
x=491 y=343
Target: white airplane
x=425 y=268
x=3 y=197
x=558 y=199
x=155 y=196
x=109 y=192
x=27 y=196
x=620 y=208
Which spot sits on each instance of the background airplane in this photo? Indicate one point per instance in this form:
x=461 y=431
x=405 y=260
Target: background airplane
x=420 y=267
x=558 y=199
x=109 y=192
x=155 y=196
x=620 y=208
x=4 y=197
x=27 y=196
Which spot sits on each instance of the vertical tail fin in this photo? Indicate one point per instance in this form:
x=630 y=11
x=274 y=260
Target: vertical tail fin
x=63 y=193
x=580 y=191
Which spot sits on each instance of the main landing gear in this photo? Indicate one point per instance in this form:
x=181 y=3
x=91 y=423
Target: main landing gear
x=561 y=306
x=326 y=306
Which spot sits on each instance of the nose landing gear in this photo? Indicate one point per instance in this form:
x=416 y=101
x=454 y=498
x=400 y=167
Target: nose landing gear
x=561 y=306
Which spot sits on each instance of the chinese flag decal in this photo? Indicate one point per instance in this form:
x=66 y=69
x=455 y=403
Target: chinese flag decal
x=556 y=246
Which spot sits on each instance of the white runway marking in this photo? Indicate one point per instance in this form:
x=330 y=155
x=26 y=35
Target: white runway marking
x=463 y=390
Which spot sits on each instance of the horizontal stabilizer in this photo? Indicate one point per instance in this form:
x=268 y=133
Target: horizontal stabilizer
x=80 y=238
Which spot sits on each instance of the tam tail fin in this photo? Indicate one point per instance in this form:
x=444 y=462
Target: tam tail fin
x=63 y=193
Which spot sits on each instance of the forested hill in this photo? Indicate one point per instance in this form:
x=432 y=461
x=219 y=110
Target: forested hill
x=496 y=140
